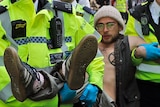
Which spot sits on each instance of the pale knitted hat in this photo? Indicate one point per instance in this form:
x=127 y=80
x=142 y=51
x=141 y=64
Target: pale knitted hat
x=108 y=11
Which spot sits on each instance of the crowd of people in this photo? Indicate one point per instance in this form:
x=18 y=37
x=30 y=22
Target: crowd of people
x=79 y=53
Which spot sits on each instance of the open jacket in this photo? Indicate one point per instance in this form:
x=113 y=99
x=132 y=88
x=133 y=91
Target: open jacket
x=127 y=92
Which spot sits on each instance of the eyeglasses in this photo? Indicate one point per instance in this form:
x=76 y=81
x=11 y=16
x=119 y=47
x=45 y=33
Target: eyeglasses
x=109 y=26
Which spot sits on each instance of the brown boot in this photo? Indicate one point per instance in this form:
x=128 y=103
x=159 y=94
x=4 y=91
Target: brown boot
x=78 y=61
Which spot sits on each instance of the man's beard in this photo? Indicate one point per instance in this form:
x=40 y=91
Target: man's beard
x=114 y=39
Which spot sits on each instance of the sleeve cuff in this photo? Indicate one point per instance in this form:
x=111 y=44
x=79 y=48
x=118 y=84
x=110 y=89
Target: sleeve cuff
x=135 y=61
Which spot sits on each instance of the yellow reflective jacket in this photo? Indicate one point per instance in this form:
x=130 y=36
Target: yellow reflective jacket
x=17 y=10
x=147 y=70
x=86 y=13
x=74 y=29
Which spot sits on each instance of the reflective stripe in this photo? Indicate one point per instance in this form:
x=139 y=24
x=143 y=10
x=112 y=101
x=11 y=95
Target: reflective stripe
x=64 y=46
x=1 y=61
x=21 y=41
x=98 y=36
x=138 y=29
x=37 y=40
x=6 y=23
x=6 y=93
x=32 y=39
x=149 y=68
x=86 y=16
x=99 y=54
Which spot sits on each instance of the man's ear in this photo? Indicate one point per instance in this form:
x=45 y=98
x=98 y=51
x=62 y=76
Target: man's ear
x=120 y=28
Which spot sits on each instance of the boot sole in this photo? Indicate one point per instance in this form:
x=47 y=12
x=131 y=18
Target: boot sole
x=14 y=67
x=81 y=58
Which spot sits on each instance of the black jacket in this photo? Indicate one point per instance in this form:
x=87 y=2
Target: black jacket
x=126 y=86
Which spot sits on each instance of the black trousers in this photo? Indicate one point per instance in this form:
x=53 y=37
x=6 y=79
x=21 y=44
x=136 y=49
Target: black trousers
x=150 y=93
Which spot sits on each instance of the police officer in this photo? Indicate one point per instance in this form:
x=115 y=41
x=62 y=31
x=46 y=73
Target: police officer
x=18 y=16
x=121 y=5
x=84 y=2
x=143 y=22
x=66 y=19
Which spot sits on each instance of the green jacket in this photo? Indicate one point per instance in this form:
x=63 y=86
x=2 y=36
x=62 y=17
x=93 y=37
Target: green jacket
x=86 y=13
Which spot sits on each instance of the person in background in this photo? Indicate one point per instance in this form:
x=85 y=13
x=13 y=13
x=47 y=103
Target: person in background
x=122 y=6
x=143 y=22
x=94 y=5
x=103 y=2
x=84 y=3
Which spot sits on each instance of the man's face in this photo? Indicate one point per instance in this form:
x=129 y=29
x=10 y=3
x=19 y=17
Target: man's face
x=109 y=29
x=69 y=1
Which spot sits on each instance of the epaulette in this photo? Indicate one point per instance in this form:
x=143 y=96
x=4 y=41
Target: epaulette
x=62 y=6
x=2 y=9
x=41 y=4
x=89 y=10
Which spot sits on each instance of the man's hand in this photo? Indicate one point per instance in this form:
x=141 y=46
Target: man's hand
x=89 y=95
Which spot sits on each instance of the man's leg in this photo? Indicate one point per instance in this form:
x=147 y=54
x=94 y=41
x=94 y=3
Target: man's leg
x=78 y=61
x=25 y=80
x=22 y=75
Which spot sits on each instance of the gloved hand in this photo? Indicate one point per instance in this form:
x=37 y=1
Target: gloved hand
x=89 y=95
x=66 y=93
x=152 y=51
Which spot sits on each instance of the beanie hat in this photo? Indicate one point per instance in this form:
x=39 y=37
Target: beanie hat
x=108 y=11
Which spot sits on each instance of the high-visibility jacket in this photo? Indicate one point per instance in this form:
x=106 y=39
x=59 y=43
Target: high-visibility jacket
x=17 y=13
x=41 y=53
x=147 y=70
x=74 y=29
x=86 y=13
x=17 y=10
x=54 y=101
x=121 y=5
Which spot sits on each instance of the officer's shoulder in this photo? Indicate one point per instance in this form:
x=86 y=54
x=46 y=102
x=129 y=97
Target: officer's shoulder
x=62 y=6
x=138 y=10
x=89 y=10
x=2 y=9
